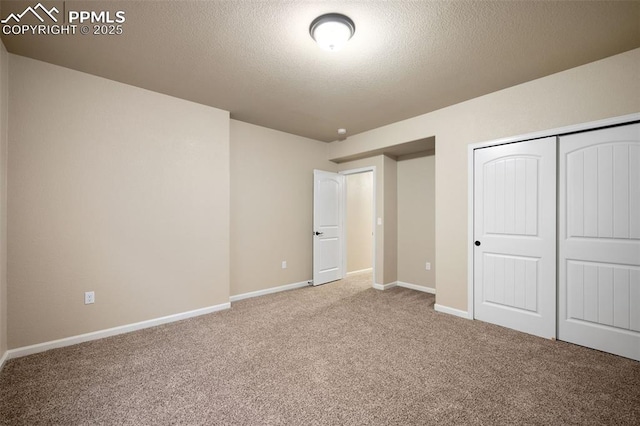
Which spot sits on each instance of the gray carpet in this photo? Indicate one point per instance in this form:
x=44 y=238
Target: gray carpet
x=338 y=354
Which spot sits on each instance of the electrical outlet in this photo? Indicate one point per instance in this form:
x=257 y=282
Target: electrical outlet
x=284 y=264
x=89 y=297
x=427 y=266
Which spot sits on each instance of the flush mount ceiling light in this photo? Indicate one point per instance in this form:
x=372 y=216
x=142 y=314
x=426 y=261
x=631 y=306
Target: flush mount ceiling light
x=332 y=31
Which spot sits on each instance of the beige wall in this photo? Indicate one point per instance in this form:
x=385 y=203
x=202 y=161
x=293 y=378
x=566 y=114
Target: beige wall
x=113 y=189
x=271 y=204
x=602 y=89
x=390 y=220
x=4 y=98
x=359 y=221
x=416 y=220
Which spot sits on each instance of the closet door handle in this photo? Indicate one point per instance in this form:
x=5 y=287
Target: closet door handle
x=477 y=243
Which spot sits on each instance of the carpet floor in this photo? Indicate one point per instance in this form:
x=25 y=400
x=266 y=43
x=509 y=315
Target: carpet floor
x=338 y=354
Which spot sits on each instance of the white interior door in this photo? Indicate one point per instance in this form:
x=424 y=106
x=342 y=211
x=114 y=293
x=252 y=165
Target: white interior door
x=599 y=243
x=515 y=236
x=328 y=206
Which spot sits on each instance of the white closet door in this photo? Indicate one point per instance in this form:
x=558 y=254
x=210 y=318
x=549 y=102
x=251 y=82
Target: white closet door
x=599 y=240
x=515 y=236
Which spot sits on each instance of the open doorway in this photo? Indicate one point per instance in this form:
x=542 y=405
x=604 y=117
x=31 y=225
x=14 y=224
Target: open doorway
x=359 y=222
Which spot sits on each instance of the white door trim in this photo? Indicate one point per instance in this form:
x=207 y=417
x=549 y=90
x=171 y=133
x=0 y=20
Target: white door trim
x=373 y=222
x=521 y=138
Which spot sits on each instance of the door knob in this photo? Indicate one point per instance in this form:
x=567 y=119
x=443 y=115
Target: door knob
x=318 y=233
x=477 y=243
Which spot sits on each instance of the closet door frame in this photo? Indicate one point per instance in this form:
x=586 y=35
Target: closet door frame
x=593 y=125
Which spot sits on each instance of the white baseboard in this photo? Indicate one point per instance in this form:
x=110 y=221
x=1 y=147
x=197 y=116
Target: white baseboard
x=405 y=285
x=268 y=291
x=417 y=287
x=360 y=271
x=73 y=340
x=451 y=311
x=385 y=286
x=3 y=359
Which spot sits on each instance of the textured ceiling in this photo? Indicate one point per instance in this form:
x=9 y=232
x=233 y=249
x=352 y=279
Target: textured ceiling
x=257 y=60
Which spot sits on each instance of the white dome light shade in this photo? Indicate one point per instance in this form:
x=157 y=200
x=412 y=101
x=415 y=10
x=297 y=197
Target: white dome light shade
x=332 y=31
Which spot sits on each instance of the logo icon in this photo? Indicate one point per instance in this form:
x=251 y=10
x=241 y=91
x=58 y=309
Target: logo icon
x=34 y=12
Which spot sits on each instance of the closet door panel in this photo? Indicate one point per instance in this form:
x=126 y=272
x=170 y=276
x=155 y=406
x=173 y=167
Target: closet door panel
x=599 y=242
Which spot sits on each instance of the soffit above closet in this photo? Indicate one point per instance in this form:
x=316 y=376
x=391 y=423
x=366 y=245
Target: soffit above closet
x=257 y=60
x=399 y=152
